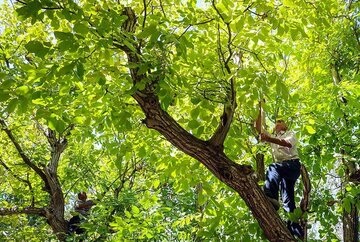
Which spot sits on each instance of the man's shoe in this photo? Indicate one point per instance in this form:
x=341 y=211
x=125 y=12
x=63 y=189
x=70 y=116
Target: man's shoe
x=274 y=202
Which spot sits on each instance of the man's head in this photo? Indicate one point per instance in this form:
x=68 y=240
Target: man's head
x=82 y=196
x=280 y=125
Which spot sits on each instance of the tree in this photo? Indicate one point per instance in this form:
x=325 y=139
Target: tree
x=192 y=71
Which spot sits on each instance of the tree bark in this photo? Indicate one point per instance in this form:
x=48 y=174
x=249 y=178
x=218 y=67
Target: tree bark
x=351 y=224
x=260 y=166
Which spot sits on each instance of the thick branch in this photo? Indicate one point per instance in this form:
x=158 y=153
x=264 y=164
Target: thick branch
x=17 y=211
x=26 y=159
x=57 y=148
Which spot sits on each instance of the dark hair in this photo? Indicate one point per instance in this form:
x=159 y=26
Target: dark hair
x=282 y=121
x=80 y=194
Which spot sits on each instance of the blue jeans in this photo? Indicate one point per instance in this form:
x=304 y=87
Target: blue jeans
x=284 y=175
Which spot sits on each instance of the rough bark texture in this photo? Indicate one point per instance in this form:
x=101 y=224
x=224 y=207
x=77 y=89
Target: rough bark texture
x=351 y=224
x=260 y=166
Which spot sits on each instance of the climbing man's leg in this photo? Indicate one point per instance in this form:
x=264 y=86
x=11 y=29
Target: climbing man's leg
x=271 y=187
x=287 y=193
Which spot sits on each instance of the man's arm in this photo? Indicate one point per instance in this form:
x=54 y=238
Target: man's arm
x=282 y=142
x=85 y=205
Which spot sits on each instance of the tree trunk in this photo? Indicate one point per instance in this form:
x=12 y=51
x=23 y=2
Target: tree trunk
x=351 y=224
x=55 y=214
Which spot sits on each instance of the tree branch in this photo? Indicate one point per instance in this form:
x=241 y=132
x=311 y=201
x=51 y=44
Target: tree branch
x=162 y=8
x=17 y=211
x=226 y=119
x=26 y=159
x=27 y=182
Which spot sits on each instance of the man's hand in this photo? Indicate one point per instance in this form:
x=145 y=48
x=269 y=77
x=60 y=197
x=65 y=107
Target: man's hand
x=264 y=137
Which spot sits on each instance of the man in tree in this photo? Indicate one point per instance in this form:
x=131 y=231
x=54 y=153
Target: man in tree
x=284 y=171
x=82 y=207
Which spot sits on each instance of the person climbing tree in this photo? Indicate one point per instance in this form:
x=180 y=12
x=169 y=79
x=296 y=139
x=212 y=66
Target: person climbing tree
x=82 y=208
x=284 y=171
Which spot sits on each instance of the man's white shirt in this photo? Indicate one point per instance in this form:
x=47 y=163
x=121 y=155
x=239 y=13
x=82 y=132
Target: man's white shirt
x=282 y=153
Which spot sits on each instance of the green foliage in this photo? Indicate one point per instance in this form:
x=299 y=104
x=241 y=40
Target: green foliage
x=60 y=65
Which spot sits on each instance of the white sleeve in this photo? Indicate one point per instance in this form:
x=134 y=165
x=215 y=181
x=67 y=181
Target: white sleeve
x=291 y=138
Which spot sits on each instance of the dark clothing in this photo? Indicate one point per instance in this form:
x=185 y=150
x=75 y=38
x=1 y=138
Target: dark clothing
x=284 y=175
x=82 y=208
x=74 y=225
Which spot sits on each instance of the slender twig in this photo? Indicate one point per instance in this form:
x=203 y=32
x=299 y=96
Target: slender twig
x=191 y=25
x=256 y=56
x=162 y=8
x=186 y=29
x=217 y=10
x=229 y=48
x=145 y=14
x=21 y=2
x=220 y=52
x=248 y=7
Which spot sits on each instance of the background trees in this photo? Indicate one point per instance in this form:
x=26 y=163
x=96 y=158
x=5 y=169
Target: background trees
x=85 y=72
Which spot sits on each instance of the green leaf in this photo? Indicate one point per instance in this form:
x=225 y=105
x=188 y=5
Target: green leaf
x=102 y=81
x=195 y=113
x=135 y=209
x=12 y=105
x=81 y=28
x=147 y=31
x=39 y=101
x=347 y=204
x=79 y=120
x=55 y=123
x=4 y=95
x=80 y=70
x=67 y=68
x=142 y=152
x=22 y=90
x=193 y=124
x=156 y=184
x=30 y=9
x=64 y=36
x=37 y=48
x=127 y=214
x=23 y=105
x=310 y=129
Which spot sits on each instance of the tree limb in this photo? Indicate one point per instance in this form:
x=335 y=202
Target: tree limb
x=226 y=119
x=24 y=157
x=17 y=211
x=26 y=181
